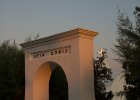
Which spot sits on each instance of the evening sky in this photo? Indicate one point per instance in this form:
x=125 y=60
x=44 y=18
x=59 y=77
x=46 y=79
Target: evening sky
x=20 y=18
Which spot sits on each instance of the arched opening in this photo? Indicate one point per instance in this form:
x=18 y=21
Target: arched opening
x=58 y=86
x=50 y=83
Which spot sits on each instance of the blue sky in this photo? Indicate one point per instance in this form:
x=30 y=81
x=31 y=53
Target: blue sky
x=19 y=18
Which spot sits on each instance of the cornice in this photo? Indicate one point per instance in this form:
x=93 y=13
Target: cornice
x=78 y=32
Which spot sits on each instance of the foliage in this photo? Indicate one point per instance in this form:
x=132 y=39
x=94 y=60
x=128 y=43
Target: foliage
x=11 y=72
x=128 y=49
x=102 y=75
x=30 y=38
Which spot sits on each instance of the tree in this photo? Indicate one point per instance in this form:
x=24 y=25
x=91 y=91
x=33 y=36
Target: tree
x=102 y=74
x=128 y=50
x=30 y=38
x=11 y=72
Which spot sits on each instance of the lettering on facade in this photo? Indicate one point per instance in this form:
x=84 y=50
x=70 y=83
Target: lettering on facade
x=51 y=52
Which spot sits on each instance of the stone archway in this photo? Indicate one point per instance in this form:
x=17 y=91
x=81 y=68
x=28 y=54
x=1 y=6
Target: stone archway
x=50 y=83
x=73 y=51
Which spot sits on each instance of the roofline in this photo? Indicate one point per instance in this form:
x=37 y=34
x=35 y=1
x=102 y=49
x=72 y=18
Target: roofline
x=60 y=35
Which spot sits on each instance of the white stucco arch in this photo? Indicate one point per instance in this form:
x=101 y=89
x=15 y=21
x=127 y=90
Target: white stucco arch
x=41 y=80
x=73 y=51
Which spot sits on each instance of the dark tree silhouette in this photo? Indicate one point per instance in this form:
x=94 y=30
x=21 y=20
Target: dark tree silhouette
x=128 y=50
x=102 y=74
x=11 y=72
